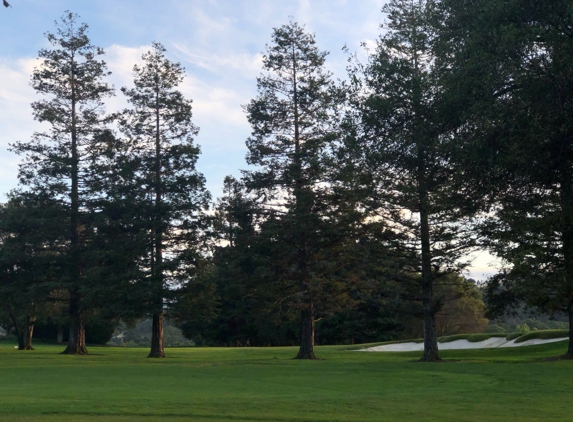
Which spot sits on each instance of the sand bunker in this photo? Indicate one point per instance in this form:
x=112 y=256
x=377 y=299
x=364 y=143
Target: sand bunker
x=490 y=343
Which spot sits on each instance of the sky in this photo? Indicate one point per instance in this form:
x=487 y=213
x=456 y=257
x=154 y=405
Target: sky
x=219 y=42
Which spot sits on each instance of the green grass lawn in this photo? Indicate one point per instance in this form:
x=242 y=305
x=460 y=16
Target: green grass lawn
x=265 y=384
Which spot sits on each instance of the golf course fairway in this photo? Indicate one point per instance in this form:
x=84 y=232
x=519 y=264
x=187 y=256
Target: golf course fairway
x=266 y=384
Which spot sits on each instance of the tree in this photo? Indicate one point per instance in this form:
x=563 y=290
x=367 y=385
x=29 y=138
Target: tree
x=171 y=193
x=402 y=133
x=30 y=250
x=513 y=60
x=56 y=162
x=463 y=309
x=306 y=212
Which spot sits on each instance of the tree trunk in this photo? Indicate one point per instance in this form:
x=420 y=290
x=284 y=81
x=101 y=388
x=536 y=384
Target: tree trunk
x=429 y=309
x=567 y=238
x=306 y=350
x=569 y=354
x=157 y=270
x=77 y=338
x=60 y=338
x=21 y=338
x=20 y=332
x=29 y=333
x=431 y=353
x=157 y=337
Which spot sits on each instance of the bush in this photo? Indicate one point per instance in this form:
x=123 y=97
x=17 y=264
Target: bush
x=139 y=335
x=99 y=331
x=495 y=328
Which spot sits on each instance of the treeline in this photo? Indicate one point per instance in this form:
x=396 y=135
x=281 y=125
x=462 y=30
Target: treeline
x=363 y=201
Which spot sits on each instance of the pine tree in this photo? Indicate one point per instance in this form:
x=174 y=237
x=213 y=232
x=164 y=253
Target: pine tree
x=513 y=63
x=31 y=244
x=56 y=164
x=294 y=130
x=171 y=193
x=402 y=133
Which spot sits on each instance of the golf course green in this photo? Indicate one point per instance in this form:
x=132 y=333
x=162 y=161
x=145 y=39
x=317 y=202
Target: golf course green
x=266 y=384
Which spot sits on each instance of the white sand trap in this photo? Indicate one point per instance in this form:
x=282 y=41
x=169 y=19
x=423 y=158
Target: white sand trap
x=490 y=343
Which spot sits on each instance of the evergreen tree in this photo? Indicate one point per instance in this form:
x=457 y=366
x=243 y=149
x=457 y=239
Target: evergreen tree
x=56 y=162
x=513 y=61
x=402 y=132
x=31 y=243
x=170 y=192
x=294 y=131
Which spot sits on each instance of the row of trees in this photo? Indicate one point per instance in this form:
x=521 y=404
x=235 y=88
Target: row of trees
x=104 y=219
x=455 y=135
x=364 y=194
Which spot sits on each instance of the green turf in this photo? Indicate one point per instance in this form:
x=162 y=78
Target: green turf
x=544 y=334
x=265 y=384
x=513 y=336
x=472 y=338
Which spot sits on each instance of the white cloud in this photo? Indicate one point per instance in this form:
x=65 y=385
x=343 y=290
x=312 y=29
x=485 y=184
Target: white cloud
x=218 y=41
x=16 y=120
x=212 y=103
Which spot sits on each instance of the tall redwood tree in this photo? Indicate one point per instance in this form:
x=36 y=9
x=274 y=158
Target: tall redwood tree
x=294 y=127
x=171 y=192
x=56 y=163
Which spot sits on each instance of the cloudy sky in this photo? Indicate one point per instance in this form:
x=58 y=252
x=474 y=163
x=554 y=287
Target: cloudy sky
x=219 y=42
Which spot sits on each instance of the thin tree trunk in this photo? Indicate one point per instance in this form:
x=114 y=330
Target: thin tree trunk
x=567 y=237
x=20 y=333
x=569 y=354
x=21 y=338
x=306 y=350
x=428 y=307
x=60 y=338
x=157 y=350
x=30 y=333
x=77 y=338
x=157 y=337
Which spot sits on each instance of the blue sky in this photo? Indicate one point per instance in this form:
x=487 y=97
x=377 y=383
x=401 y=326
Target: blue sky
x=219 y=42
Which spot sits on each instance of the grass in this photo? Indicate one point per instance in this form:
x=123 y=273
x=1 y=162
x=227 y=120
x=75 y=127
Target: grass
x=513 y=336
x=545 y=335
x=472 y=338
x=266 y=384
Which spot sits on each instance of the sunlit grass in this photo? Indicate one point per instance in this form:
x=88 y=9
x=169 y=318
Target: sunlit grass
x=266 y=384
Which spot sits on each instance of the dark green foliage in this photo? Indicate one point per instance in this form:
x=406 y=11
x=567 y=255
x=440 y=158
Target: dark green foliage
x=243 y=313
x=461 y=307
x=98 y=330
x=31 y=246
x=511 y=62
x=306 y=214
x=400 y=131
x=57 y=163
x=168 y=193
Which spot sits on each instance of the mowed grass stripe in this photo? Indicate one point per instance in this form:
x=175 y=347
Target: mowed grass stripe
x=266 y=384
